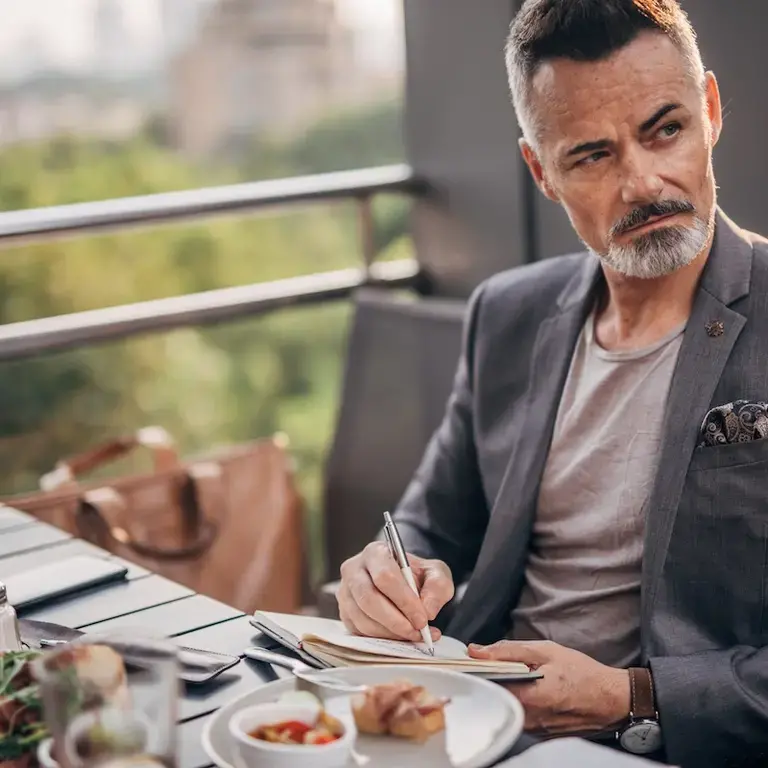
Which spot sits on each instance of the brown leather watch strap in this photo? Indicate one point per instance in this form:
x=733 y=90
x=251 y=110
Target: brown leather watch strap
x=643 y=701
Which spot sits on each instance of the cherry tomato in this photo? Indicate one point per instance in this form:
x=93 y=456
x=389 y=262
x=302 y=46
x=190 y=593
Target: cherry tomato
x=325 y=738
x=294 y=729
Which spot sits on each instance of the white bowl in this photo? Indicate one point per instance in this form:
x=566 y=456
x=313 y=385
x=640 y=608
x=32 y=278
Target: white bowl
x=44 y=755
x=133 y=726
x=126 y=723
x=256 y=753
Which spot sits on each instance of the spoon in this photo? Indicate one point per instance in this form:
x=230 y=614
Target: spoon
x=307 y=678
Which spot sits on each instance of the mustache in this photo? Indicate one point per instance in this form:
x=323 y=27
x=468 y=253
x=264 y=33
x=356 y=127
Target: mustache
x=645 y=213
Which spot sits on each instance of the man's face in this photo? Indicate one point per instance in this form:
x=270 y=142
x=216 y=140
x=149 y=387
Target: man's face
x=625 y=145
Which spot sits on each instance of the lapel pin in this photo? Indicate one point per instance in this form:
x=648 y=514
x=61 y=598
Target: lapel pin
x=715 y=328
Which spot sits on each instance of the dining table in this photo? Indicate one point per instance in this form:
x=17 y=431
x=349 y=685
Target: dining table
x=149 y=603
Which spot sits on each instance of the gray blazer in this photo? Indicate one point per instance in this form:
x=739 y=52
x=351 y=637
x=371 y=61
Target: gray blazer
x=704 y=615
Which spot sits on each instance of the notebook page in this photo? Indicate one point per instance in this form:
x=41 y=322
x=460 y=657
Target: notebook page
x=446 y=648
x=345 y=658
x=338 y=642
x=298 y=624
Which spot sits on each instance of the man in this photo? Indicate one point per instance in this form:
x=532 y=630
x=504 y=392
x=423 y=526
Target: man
x=605 y=541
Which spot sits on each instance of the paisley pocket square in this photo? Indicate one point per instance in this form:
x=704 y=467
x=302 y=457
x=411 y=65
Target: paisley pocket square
x=737 y=422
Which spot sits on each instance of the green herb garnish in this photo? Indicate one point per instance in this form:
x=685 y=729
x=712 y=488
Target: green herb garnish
x=21 y=710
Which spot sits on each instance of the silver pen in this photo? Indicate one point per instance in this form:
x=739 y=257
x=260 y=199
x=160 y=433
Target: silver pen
x=396 y=549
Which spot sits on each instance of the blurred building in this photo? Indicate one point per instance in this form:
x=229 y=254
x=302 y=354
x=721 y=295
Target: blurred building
x=115 y=51
x=181 y=21
x=31 y=114
x=263 y=67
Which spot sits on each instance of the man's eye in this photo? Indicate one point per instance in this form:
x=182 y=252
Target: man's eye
x=593 y=158
x=669 y=130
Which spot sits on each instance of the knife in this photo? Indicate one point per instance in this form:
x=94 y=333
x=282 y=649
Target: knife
x=196 y=666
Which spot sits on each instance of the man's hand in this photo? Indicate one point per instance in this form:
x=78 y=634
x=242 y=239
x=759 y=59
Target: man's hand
x=577 y=694
x=375 y=600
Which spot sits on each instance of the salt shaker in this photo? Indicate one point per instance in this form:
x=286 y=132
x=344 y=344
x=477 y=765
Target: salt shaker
x=10 y=639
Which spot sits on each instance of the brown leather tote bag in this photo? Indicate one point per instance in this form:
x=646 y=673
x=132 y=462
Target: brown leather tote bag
x=228 y=525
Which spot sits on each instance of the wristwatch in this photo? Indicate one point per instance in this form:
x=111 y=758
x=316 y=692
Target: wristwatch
x=642 y=733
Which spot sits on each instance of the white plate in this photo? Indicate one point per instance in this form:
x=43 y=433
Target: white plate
x=483 y=720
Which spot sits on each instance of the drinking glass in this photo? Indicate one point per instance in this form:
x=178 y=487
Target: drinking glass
x=110 y=701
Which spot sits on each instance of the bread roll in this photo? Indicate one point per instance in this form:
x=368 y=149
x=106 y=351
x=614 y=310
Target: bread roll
x=99 y=671
x=400 y=709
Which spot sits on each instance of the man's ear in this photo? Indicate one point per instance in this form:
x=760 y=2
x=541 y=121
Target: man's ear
x=534 y=165
x=714 y=107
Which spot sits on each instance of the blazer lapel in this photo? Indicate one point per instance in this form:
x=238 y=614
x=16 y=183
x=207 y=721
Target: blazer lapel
x=482 y=613
x=700 y=364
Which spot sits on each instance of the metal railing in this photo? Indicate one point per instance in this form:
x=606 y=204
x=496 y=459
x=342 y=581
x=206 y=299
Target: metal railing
x=32 y=337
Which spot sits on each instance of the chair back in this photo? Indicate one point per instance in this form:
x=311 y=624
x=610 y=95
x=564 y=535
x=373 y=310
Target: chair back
x=401 y=361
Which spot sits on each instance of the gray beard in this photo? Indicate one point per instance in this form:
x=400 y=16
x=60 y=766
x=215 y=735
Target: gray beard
x=660 y=252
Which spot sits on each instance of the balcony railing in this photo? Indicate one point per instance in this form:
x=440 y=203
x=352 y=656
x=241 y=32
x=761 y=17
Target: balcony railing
x=32 y=337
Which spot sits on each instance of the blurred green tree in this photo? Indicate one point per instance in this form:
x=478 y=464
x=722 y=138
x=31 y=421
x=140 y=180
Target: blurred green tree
x=206 y=385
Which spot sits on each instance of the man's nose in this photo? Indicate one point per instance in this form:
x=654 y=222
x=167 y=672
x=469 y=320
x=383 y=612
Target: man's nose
x=641 y=182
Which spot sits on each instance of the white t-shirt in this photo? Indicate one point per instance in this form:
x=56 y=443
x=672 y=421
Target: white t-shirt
x=582 y=579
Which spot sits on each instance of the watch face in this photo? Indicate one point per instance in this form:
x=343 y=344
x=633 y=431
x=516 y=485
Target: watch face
x=642 y=737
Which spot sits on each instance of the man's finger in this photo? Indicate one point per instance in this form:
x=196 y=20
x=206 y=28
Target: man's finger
x=533 y=654
x=343 y=598
x=436 y=588
x=358 y=622
x=391 y=583
x=377 y=606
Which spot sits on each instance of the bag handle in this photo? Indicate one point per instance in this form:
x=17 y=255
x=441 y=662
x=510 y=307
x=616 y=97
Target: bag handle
x=154 y=439
x=107 y=508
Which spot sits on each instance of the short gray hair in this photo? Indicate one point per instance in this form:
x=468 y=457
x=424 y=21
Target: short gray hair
x=586 y=30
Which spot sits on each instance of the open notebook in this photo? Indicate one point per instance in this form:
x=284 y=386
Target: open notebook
x=326 y=643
